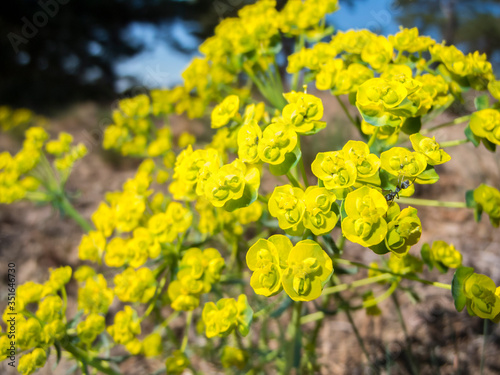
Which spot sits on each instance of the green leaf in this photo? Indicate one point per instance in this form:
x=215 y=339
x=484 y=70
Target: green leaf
x=352 y=98
x=385 y=180
x=58 y=352
x=489 y=145
x=287 y=302
x=482 y=102
x=412 y=295
x=412 y=125
x=384 y=118
x=380 y=248
x=469 y=199
x=471 y=136
x=343 y=214
x=429 y=176
x=425 y=253
x=250 y=191
x=441 y=267
x=291 y=160
x=457 y=286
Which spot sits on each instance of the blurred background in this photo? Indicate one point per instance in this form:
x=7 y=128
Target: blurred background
x=58 y=52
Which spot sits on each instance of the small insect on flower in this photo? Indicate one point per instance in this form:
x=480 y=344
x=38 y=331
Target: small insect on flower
x=401 y=185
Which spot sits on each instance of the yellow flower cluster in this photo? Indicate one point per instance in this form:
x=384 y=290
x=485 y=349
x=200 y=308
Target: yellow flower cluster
x=441 y=255
x=476 y=292
x=302 y=270
x=22 y=117
x=198 y=271
x=201 y=173
x=36 y=332
x=314 y=209
x=487 y=199
x=133 y=131
x=222 y=318
x=29 y=175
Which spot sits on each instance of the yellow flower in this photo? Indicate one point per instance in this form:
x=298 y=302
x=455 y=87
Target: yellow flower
x=366 y=164
x=400 y=161
x=403 y=231
x=303 y=113
x=222 y=318
x=378 y=52
x=225 y=111
x=430 y=148
x=486 y=124
x=309 y=269
x=364 y=223
x=287 y=205
x=249 y=136
x=277 y=140
x=267 y=259
x=319 y=216
x=335 y=169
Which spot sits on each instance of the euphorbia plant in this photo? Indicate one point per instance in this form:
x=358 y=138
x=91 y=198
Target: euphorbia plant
x=197 y=235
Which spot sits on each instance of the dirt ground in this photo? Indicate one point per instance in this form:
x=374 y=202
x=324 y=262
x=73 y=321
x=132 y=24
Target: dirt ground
x=442 y=341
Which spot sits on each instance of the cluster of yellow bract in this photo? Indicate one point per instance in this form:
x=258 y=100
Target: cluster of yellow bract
x=302 y=270
x=133 y=131
x=488 y=200
x=22 y=117
x=314 y=209
x=198 y=271
x=478 y=293
x=40 y=330
x=222 y=318
x=29 y=175
x=441 y=255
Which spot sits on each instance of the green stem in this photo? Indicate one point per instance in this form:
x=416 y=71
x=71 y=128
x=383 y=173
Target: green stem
x=340 y=243
x=346 y=111
x=356 y=284
x=382 y=297
x=453 y=143
x=381 y=270
x=293 y=180
x=432 y=203
x=299 y=43
x=83 y=356
x=189 y=319
x=318 y=315
x=457 y=121
x=268 y=308
x=303 y=172
x=373 y=137
x=485 y=337
x=360 y=340
x=293 y=359
x=69 y=210
x=263 y=199
x=401 y=319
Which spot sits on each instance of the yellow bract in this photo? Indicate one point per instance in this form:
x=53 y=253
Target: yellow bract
x=287 y=205
x=430 y=148
x=364 y=223
x=486 y=124
x=335 y=169
x=302 y=270
x=225 y=111
x=400 y=161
